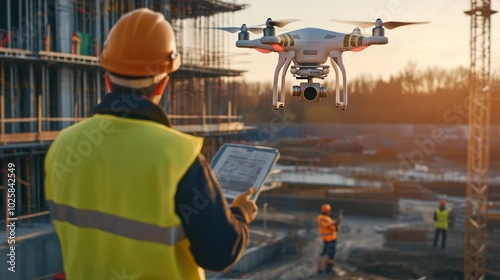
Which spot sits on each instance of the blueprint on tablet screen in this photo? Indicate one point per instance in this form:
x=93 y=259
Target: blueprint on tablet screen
x=237 y=169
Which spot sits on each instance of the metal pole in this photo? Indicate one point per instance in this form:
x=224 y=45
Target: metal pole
x=28 y=187
x=39 y=128
x=12 y=107
x=5 y=188
x=39 y=23
x=19 y=32
x=2 y=100
x=45 y=99
x=106 y=19
x=46 y=34
x=32 y=96
x=98 y=86
x=29 y=24
x=9 y=27
x=264 y=226
x=97 y=27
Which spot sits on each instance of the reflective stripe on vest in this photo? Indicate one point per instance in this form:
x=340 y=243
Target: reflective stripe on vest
x=116 y=225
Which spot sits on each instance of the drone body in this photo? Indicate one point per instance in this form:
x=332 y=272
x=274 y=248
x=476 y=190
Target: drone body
x=309 y=49
x=312 y=45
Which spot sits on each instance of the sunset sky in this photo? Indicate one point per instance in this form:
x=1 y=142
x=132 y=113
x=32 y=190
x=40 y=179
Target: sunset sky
x=443 y=43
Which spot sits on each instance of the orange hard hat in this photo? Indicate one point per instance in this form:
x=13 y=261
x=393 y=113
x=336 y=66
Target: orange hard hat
x=325 y=208
x=442 y=203
x=141 y=44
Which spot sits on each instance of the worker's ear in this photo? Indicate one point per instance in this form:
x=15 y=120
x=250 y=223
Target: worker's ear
x=160 y=88
x=108 y=82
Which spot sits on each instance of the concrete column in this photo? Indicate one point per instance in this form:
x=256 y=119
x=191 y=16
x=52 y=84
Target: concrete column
x=30 y=102
x=39 y=21
x=63 y=26
x=98 y=86
x=14 y=106
x=165 y=9
x=45 y=96
x=85 y=95
x=9 y=24
x=66 y=100
x=29 y=24
x=98 y=40
x=105 y=19
x=19 y=32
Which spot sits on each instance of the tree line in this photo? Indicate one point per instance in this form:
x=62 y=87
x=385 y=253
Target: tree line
x=429 y=96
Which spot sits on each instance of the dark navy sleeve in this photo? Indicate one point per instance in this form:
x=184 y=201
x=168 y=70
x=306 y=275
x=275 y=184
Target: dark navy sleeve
x=218 y=233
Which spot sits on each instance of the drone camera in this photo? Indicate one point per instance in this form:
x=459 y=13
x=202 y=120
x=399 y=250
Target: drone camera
x=311 y=92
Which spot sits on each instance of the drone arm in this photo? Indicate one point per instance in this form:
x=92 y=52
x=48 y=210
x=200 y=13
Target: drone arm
x=252 y=44
x=281 y=62
x=358 y=43
x=375 y=40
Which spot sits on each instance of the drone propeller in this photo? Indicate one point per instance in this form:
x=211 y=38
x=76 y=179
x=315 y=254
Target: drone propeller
x=279 y=23
x=388 y=24
x=243 y=28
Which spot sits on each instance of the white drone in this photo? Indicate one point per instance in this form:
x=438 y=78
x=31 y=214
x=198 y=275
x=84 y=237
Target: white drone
x=309 y=49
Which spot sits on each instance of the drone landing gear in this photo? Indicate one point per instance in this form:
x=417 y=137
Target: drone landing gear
x=284 y=60
x=336 y=60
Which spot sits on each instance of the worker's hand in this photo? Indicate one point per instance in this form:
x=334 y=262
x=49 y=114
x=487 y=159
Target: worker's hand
x=247 y=206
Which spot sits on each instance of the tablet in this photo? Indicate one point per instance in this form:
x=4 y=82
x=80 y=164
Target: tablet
x=240 y=167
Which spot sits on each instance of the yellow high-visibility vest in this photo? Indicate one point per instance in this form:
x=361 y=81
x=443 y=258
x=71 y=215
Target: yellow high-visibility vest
x=110 y=185
x=442 y=219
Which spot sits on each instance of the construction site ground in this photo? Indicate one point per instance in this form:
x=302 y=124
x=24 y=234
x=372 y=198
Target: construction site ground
x=361 y=253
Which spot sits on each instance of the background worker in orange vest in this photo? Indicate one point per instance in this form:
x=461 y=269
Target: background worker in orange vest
x=328 y=229
x=441 y=223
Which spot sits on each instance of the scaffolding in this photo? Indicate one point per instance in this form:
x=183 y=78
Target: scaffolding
x=50 y=78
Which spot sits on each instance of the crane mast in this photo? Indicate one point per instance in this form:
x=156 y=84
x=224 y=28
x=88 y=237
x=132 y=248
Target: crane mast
x=476 y=230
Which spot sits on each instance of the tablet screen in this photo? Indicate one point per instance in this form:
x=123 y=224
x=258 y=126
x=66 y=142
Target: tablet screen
x=240 y=167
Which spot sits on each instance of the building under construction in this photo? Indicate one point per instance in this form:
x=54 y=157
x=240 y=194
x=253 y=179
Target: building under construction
x=50 y=78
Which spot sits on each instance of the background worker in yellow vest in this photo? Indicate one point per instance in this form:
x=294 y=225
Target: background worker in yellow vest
x=328 y=229
x=441 y=223
x=127 y=193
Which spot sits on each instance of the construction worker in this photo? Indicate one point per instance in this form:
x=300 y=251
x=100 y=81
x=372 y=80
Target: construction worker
x=328 y=229
x=441 y=223
x=130 y=196
x=75 y=43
